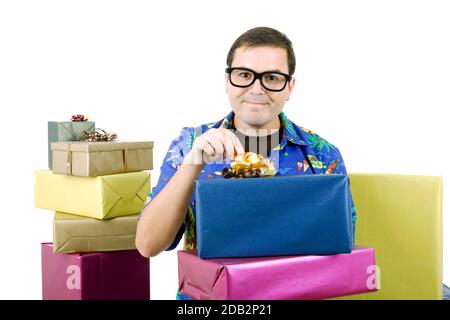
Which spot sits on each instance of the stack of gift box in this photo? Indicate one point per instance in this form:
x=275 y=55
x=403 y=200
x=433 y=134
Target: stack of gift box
x=97 y=187
x=275 y=238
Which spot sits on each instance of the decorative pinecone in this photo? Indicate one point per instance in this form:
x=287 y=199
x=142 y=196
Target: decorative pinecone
x=241 y=173
x=227 y=173
x=98 y=135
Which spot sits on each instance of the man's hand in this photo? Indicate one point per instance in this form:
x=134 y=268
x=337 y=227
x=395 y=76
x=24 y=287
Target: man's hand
x=214 y=145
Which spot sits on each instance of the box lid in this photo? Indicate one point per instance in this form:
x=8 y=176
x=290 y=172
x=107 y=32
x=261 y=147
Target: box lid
x=83 y=146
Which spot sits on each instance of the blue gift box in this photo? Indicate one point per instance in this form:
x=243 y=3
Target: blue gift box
x=290 y=215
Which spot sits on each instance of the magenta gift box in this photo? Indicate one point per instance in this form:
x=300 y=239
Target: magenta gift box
x=114 y=275
x=277 y=278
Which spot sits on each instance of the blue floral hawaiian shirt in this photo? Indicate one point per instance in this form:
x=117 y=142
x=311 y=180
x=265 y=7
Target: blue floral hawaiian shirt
x=301 y=151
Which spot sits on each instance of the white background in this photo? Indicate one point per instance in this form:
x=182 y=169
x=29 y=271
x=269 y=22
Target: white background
x=373 y=78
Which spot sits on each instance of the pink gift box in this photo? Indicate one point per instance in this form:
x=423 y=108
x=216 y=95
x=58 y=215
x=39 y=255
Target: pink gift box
x=277 y=278
x=123 y=275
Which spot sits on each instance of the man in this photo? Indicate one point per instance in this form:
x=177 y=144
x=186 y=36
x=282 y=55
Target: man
x=258 y=82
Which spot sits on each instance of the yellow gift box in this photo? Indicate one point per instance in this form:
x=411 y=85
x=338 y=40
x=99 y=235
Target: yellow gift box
x=401 y=217
x=101 y=197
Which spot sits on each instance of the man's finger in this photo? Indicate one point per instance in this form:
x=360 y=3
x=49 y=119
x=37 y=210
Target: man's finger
x=229 y=147
x=217 y=144
x=237 y=144
x=227 y=144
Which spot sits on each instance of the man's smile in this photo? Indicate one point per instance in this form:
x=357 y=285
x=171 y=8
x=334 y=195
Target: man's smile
x=255 y=102
x=255 y=106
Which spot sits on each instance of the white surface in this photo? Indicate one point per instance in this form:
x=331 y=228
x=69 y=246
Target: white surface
x=373 y=77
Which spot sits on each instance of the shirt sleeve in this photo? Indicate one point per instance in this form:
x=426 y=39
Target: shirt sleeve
x=172 y=160
x=335 y=164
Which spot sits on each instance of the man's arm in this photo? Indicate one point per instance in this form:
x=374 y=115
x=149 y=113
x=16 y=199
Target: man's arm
x=163 y=216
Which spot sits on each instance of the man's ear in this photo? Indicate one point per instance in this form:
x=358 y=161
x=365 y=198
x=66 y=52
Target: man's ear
x=291 y=85
x=226 y=82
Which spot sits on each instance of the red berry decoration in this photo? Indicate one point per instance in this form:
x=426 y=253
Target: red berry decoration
x=79 y=118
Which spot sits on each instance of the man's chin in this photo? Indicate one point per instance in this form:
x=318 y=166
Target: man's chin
x=255 y=117
x=255 y=120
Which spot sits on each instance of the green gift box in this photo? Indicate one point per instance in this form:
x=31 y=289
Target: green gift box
x=59 y=131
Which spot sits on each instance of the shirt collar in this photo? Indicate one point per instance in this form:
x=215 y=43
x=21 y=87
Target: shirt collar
x=290 y=130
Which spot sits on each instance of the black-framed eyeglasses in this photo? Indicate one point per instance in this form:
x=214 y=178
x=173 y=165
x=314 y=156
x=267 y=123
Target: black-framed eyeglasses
x=270 y=80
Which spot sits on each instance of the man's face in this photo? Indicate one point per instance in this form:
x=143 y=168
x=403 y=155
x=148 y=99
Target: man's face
x=255 y=106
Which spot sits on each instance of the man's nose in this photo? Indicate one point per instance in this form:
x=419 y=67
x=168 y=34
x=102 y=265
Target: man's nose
x=256 y=87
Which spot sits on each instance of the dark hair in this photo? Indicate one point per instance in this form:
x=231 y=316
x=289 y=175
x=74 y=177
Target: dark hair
x=264 y=36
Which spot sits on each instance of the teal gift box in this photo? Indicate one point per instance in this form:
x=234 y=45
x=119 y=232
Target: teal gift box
x=59 y=131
